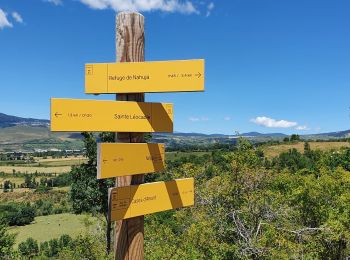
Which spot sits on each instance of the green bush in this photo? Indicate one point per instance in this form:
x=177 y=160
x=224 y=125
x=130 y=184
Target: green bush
x=29 y=248
x=6 y=241
x=17 y=214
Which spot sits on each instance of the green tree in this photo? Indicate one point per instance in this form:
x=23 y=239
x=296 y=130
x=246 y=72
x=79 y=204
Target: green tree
x=7 y=241
x=29 y=181
x=54 y=247
x=17 y=213
x=29 y=248
x=286 y=139
x=65 y=241
x=294 y=138
x=7 y=186
x=307 y=149
x=89 y=194
x=45 y=249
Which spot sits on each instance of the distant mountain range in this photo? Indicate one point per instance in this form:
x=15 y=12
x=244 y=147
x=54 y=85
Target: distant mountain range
x=8 y=121
x=17 y=133
x=249 y=134
x=339 y=134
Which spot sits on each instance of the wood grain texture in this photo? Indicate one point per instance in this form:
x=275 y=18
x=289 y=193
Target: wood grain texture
x=130 y=47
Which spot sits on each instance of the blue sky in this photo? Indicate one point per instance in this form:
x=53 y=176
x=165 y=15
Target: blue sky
x=271 y=65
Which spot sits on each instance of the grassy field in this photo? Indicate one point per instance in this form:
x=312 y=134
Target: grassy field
x=61 y=161
x=275 y=150
x=177 y=155
x=41 y=165
x=16 y=180
x=45 y=228
x=31 y=169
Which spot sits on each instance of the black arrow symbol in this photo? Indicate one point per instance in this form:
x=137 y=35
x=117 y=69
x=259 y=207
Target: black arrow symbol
x=58 y=114
x=198 y=74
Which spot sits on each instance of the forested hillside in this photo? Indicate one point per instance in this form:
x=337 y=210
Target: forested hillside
x=295 y=205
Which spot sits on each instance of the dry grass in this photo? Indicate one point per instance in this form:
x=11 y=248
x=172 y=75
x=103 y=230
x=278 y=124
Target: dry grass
x=275 y=150
x=29 y=195
x=50 y=159
x=30 y=169
x=16 y=180
x=49 y=165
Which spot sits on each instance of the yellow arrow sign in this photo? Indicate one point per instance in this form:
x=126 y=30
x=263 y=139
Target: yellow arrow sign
x=122 y=159
x=135 y=77
x=138 y=200
x=110 y=116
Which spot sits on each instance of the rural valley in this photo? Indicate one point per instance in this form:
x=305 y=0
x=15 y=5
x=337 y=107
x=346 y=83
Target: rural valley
x=54 y=207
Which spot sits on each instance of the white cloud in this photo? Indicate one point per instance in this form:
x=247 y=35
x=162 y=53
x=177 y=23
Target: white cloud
x=302 y=128
x=17 y=17
x=227 y=118
x=3 y=20
x=270 y=122
x=142 y=5
x=210 y=7
x=194 y=119
x=198 y=119
x=55 y=2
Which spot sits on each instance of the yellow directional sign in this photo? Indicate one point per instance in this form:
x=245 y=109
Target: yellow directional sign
x=138 y=200
x=122 y=159
x=135 y=77
x=110 y=116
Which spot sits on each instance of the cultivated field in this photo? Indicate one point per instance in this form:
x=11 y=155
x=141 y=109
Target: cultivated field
x=45 y=228
x=49 y=165
x=275 y=150
x=60 y=161
x=31 y=169
x=8 y=177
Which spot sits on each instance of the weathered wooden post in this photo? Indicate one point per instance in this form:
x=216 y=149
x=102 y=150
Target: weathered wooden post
x=130 y=47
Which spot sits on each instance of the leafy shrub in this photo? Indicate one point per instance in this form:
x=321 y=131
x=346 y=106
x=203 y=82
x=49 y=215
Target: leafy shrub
x=29 y=248
x=6 y=241
x=17 y=214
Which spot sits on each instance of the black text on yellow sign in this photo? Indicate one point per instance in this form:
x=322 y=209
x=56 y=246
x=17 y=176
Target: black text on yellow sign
x=140 y=77
x=122 y=159
x=75 y=115
x=137 y=200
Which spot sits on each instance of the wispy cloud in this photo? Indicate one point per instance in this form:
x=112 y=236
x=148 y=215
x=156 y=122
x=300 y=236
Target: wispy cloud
x=172 y=6
x=4 y=22
x=227 y=118
x=198 y=119
x=210 y=7
x=17 y=17
x=55 y=2
x=302 y=128
x=273 y=123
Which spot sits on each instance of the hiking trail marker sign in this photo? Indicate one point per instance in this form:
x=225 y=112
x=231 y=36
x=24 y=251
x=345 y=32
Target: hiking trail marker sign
x=122 y=159
x=141 y=77
x=129 y=160
x=137 y=200
x=110 y=116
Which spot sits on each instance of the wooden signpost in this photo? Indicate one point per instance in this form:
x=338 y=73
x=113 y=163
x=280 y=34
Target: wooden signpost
x=137 y=200
x=109 y=116
x=130 y=158
x=120 y=159
x=134 y=77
